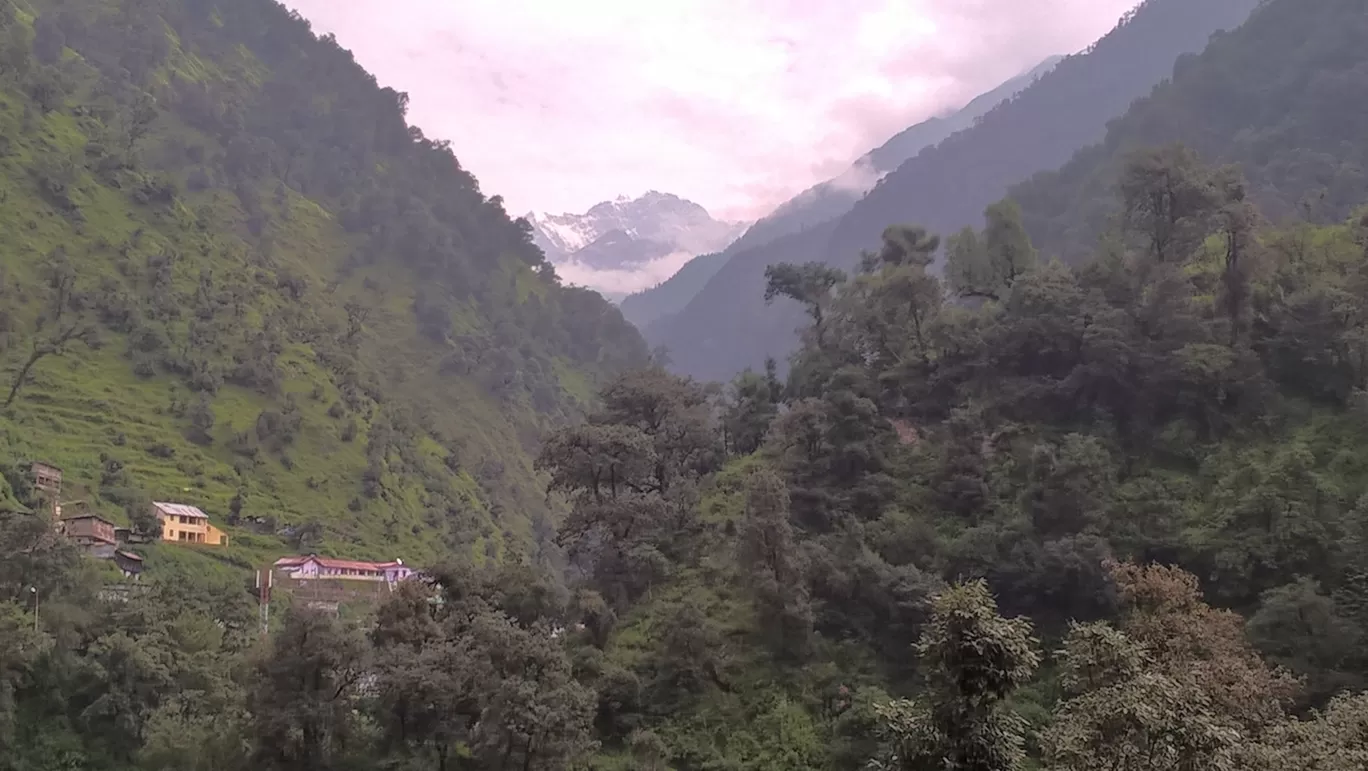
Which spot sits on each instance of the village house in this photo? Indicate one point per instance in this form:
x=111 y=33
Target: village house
x=128 y=563
x=313 y=567
x=47 y=483
x=181 y=523
x=88 y=530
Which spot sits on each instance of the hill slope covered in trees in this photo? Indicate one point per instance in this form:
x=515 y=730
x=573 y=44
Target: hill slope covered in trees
x=232 y=275
x=1111 y=514
x=727 y=327
x=1278 y=98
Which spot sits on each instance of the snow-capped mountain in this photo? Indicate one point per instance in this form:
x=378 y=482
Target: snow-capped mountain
x=629 y=243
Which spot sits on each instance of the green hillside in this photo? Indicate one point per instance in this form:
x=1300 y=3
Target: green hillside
x=1277 y=97
x=1033 y=516
x=272 y=287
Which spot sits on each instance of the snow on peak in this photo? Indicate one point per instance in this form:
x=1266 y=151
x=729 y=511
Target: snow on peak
x=626 y=236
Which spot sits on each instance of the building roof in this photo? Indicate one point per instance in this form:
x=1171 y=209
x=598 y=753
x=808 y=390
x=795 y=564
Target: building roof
x=335 y=564
x=129 y=555
x=179 y=510
x=87 y=515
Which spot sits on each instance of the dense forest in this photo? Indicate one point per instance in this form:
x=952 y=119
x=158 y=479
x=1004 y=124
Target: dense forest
x=1277 y=98
x=1016 y=513
x=947 y=186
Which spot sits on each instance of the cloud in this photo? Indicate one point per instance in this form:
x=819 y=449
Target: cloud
x=623 y=281
x=735 y=104
x=860 y=178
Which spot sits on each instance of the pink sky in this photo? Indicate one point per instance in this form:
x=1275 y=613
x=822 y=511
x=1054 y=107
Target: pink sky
x=735 y=104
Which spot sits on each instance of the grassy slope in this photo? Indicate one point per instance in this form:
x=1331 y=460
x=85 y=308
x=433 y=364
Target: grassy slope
x=88 y=405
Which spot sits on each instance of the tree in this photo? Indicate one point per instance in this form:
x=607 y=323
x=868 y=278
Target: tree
x=749 y=409
x=887 y=315
x=358 y=314
x=21 y=646
x=904 y=245
x=631 y=474
x=235 y=506
x=201 y=414
x=810 y=284
x=1168 y=197
x=1329 y=740
x=1175 y=687
x=61 y=323
x=1236 y=220
x=536 y=715
x=770 y=555
x=428 y=694
x=141 y=517
x=137 y=118
x=673 y=412
x=303 y=701
x=974 y=660
x=987 y=266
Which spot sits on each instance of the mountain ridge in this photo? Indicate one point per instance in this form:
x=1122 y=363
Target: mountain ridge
x=617 y=242
x=946 y=187
x=822 y=201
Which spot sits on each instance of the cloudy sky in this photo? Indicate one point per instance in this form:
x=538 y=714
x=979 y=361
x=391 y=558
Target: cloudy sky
x=735 y=104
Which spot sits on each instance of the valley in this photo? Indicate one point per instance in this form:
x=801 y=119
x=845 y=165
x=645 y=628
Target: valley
x=1045 y=451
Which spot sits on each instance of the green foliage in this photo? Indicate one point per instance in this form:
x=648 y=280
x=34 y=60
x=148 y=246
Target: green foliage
x=311 y=322
x=974 y=659
x=1266 y=96
x=987 y=265
x=191 y=247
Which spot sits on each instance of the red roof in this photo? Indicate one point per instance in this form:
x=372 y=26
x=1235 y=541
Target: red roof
x=334 y=564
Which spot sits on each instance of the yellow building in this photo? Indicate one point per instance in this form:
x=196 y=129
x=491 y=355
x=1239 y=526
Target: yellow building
x=186 y=524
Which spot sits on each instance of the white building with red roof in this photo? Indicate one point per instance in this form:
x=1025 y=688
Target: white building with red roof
x=313 y=566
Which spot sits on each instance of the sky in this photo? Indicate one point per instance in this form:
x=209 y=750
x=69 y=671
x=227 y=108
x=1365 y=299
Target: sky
x=734 y=104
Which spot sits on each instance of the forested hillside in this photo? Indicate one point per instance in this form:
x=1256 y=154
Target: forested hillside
x=1030 y=516
x=1279 y=98
x=233 y=275
x=946 y=187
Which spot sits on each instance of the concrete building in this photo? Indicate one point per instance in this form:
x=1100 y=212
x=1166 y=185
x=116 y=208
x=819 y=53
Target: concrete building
x=181 y=523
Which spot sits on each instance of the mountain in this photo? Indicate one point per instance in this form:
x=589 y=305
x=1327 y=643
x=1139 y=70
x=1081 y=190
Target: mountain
x=1117 y=518
x=234 y=276
x=821 y=202
x=835 y=197
x=1277 y=98
x=726 y=327
x=619 y=245
x=1200 y=413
